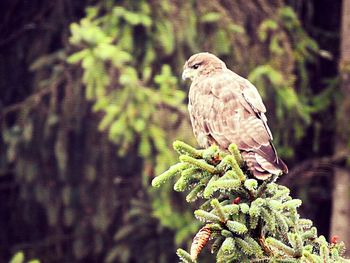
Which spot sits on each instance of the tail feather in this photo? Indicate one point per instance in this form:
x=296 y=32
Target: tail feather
x=282 y=165
x=262 y=168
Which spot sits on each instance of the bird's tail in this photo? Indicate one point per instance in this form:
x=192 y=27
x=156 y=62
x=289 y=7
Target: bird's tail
x=282 y=165
x=261 y=167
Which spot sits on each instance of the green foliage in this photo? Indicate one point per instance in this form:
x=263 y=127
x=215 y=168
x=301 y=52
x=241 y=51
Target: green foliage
x=184 y=256
x=20 y=258
x=138 y=102
x=293 y=100
x=264 y=226
x=134 y=101
x=129 y=102
x=17 y=258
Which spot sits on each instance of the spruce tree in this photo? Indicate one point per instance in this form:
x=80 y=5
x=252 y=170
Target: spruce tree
x=244 y=219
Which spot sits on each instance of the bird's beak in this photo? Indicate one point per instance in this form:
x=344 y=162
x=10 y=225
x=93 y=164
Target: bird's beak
x=187 y=73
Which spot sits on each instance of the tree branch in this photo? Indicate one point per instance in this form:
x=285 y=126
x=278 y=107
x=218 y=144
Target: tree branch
x=309 y=167
x=32 y=99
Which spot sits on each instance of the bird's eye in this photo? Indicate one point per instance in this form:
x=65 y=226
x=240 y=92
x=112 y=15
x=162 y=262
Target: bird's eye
x=195 y=66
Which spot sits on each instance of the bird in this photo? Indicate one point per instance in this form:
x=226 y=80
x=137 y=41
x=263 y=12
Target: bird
x=226 y=108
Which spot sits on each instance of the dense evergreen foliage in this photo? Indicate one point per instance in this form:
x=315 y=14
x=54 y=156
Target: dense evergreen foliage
x=248 y=220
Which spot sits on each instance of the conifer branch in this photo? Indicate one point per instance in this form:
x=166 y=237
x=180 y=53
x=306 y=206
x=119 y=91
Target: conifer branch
x=248 y=220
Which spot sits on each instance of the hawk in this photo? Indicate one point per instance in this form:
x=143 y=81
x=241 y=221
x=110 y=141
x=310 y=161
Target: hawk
x=226 y=108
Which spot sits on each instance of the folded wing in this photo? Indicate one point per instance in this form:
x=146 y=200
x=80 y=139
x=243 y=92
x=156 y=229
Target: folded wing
x=227 y=108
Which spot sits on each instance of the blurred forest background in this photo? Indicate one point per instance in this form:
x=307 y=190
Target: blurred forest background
x=91 y=100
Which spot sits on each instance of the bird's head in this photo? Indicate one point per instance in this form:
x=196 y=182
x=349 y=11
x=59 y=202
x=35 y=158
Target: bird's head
x=201 y=64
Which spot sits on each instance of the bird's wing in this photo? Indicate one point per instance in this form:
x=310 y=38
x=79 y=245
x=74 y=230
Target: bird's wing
x=253 y=98
x=230 y=113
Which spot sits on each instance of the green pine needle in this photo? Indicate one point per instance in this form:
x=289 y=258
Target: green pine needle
x=263 y=225
x=254 y=210
x=309 y=257
x=253 y=222
x=281 y=223
x=198 y=163
x=276 y=244
x=192 y=172
x=183 y=148
x=233 y=149
x=335 y=254
x=195 y=193
x=251 y=184
x=282 y=193
x=210 y=153
x=304 y=223
x=236 y=227
x=324 y=253
x=181 y=184
x=206 y=216
x=229 y=175
x=297 y=243
x=167 y=175
x=232 y=209
x=218 y=209
x=245 y=247
x=254 y=245
x=244 y=208
x=229 y=184
x=184 y=256
x=209 y=190
x=228 y=246
x=292 y=204
x=269 y=219
x=231 y=161
x=310 y=234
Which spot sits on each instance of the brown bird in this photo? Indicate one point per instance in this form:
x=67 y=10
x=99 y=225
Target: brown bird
x=226 y=108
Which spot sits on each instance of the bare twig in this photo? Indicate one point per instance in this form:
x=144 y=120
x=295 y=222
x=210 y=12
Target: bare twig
x=33 y=99
x=309 y=167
